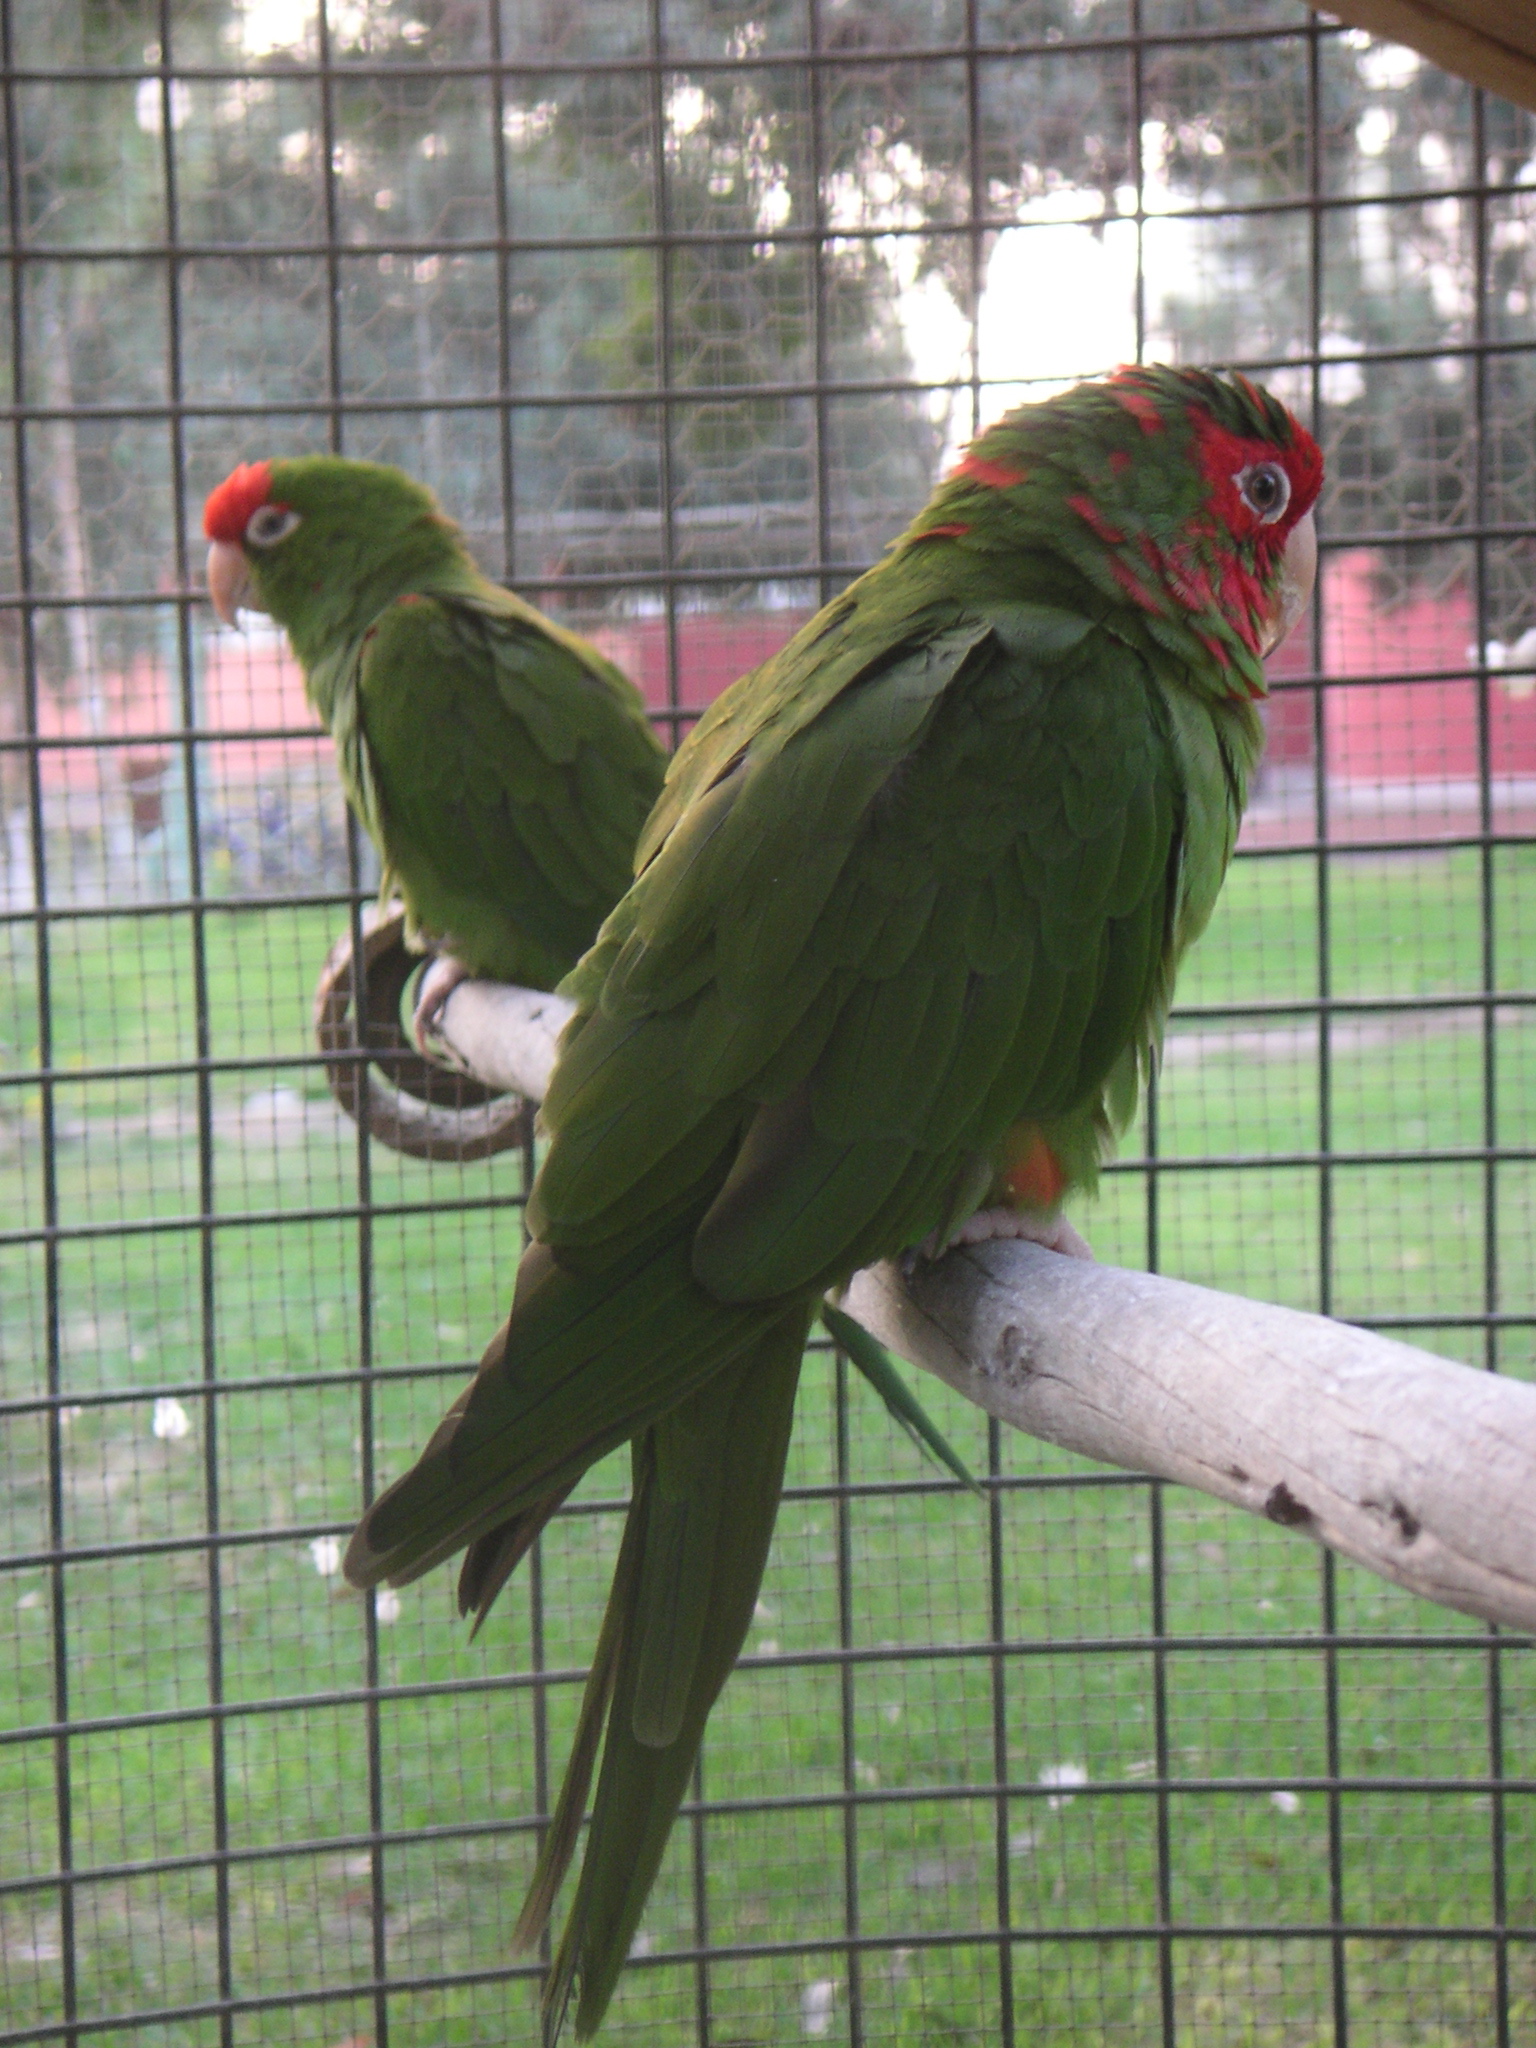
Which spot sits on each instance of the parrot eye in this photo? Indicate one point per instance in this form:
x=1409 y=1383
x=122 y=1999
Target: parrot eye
x=1265 y=489
x=269 y=524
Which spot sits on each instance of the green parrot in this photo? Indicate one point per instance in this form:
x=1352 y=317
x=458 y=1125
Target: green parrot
x=500 y=764
x=900 y=949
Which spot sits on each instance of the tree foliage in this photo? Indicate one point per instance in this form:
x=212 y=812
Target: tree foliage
x=631 y=259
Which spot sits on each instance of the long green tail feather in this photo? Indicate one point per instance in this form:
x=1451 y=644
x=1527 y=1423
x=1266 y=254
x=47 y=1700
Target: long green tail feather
x=880 y=1368
x=571 y=1806
x=586 y=1363
x=680 y=1562
x=491 y=1560
x=741 y=1433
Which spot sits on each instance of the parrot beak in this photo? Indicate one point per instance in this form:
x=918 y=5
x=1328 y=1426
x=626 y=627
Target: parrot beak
x=1298 y=573
x=229 y=580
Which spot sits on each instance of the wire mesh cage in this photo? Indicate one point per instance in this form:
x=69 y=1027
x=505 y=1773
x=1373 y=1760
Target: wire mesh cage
x=680 y=305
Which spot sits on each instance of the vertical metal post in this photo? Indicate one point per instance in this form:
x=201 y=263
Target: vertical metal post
x=505 y=437
x=666 y=482
x=998 y=1623
x=977 y=205
x=1167 y=1985
x=197 y=914
x=1489 y=973
x=847 y=1706
x=665 y=342
x=996 y=1549
x=1162 y=1754
x=362 y=1156
x=1328 y=1590
x=534 y=1567
x=63 y=1794
x=820 y=465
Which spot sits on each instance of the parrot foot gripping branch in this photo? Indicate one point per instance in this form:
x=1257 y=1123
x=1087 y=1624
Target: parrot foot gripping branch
x=414 y=1104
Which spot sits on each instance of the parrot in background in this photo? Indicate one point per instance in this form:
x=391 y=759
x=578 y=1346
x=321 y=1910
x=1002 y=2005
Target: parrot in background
x=898 y=956
x=500 y=764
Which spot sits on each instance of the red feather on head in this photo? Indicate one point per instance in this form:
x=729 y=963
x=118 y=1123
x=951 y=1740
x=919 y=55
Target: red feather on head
x=229 y=507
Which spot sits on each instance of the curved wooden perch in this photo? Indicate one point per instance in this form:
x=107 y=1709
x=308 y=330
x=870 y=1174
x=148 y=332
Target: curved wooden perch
x=1422 y=1470
x=411 y=1104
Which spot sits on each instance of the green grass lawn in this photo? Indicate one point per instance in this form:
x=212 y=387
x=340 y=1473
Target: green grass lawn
x=1075 y=1728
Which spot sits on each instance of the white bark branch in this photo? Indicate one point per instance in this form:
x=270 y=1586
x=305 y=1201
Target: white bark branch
x=1422 y=1470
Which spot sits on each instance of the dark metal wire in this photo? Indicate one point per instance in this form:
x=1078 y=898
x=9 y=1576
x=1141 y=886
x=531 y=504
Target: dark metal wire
x=807 y=56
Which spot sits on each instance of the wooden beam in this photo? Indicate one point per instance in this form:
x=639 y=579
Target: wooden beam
x=1490 y=42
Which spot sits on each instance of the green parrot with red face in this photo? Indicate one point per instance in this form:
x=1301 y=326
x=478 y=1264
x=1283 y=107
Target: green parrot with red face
x=502 y=766
x=899 y=951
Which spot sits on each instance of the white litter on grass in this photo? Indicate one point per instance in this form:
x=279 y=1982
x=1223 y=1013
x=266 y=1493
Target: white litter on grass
x=69 y=1415
x=1024 y=1843
x=817 y=2004
x=42 y=1948
x=386 y=1606
x=1062 y=1774
x=32 y=1599
x=170 y=1421
x=1285 y=1802
x=326 y=1552
x=642 y=1945
x=768 y=1646
x=272 y=1106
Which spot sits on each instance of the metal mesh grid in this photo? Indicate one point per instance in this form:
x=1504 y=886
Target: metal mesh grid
x=679 y=305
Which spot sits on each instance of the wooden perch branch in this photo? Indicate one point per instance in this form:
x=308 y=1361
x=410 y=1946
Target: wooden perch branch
x=1422 y=1470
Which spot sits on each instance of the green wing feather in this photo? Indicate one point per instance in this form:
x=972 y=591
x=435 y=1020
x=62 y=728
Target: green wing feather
x=505 y=770
x=736 y=1435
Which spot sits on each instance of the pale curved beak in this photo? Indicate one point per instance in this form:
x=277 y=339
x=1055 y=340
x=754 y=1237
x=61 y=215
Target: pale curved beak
x=1298 y=573
x=229 y=580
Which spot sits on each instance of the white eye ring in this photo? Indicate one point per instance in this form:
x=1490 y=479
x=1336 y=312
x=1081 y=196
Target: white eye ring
x=269 y=524
x=1265 y=489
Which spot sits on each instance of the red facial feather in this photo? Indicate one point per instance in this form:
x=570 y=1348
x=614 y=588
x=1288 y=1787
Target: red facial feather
x=1141 y=405
x=997 y=476
x=1223 y=456
x=229 y=508
x=942 y=532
